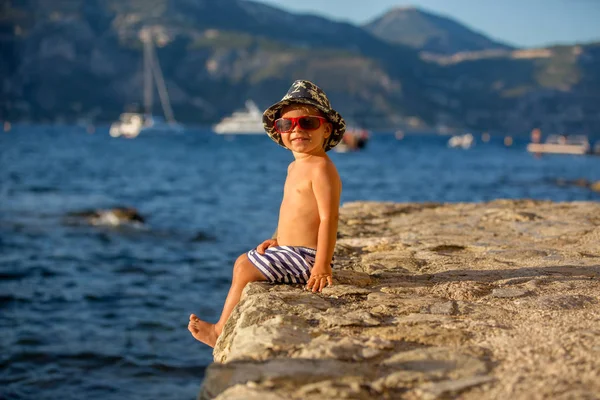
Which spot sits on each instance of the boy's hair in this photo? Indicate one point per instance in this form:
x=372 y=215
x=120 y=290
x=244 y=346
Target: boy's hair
x=297 y=104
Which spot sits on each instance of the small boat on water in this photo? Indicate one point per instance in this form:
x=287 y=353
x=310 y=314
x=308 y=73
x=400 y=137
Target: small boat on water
x=131 y=125
x=463 y=141
x=353 y=140
x=248 y=121
x=562 y=144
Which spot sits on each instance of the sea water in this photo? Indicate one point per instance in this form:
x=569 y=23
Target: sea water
x=101 y=311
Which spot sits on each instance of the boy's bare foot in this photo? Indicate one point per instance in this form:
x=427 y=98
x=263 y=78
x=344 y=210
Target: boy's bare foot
x=203 y=331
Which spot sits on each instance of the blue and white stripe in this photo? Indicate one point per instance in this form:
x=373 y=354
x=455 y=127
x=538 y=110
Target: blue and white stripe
x=284 y=264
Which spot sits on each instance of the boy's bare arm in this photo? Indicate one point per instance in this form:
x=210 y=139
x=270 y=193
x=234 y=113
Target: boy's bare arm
x=327 y=189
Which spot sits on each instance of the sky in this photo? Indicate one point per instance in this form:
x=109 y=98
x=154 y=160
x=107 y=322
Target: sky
x=522 y=23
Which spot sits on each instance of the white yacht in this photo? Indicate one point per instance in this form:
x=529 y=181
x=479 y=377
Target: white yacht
x=131 y=125
x=248 y=121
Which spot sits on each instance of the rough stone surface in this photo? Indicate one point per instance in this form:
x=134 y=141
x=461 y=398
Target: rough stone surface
x=477 y=301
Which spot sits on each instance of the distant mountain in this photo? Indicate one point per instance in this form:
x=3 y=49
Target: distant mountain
x=81 y=61
x=555 y=88
x=428 y=32
x=215 y=54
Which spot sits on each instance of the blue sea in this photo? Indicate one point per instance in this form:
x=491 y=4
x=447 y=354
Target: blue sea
x=101 y=312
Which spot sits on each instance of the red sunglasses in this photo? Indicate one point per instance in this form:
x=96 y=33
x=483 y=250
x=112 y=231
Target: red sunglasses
x=306 y=123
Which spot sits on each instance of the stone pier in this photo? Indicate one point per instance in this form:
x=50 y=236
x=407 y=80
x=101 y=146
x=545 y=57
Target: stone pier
x=497 y=300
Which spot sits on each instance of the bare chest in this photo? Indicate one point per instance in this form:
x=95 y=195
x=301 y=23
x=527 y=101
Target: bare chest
x=297 y=187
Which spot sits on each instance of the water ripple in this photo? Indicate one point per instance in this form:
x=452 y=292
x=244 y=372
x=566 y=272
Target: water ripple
x=100 y=312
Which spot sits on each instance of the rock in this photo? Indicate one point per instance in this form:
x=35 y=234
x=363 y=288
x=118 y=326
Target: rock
x=349 y=277
x=507 y=215
x=437 y=363
x=566 y=302
x=258 y=342
x=519 y=254
x=111 y=217
x=398 y=379
x=489 y=301
x=296 y=372
x=248 y=392
x=461 y=290
x=346 y=349
x=305 y=300
x=330 y=389
x=333 y=318
x=436 y=390
x=446 y=308
x=414 y=319
x=509 y=292
x=380 y=298
x=344 y=290
x=396 y=261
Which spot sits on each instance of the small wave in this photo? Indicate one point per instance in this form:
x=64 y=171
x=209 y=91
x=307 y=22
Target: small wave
x=203 y=237
x=7 y=299
x=155 y=325
x=96 y=360
x=13 y=275
x=131 y=269
x=42 y=189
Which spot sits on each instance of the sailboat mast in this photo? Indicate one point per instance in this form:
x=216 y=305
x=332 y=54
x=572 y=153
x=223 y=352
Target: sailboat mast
x=160 y=85
x=146 y=37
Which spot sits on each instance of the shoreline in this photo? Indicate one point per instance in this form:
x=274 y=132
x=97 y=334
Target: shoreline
x=486 y=300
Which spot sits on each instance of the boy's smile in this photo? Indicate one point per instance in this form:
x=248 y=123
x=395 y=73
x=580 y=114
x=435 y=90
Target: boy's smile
x=300 y=139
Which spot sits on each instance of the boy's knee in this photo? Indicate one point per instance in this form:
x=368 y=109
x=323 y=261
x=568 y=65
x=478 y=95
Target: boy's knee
x=239 y=262
x=244 y=270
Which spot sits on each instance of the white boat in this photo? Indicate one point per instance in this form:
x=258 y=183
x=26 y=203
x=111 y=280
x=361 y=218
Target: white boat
x=130 y=125
x=248 y=121
x=561 y=144
x=465 y=141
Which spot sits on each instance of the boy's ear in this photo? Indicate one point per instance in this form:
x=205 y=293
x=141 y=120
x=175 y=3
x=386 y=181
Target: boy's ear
x=328 y=129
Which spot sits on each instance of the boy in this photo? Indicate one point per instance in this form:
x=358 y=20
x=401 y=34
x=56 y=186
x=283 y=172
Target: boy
x=303 y=122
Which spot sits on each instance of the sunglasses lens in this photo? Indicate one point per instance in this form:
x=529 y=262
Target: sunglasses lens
x=283 y=125
x=309 y=123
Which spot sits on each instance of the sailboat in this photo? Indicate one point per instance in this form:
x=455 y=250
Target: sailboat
x=130 y=125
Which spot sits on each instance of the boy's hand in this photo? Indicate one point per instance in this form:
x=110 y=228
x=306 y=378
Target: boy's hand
x=319 y=279
x=265 y=245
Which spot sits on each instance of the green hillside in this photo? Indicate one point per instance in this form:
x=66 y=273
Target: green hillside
x=68 y=60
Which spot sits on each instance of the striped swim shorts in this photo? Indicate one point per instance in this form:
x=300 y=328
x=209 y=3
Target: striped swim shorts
x=284 y=264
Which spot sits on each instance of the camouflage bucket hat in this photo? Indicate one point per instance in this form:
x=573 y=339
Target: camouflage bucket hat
x=305 y=92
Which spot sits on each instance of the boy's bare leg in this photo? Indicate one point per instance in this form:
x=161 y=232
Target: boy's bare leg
x=243 y=273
